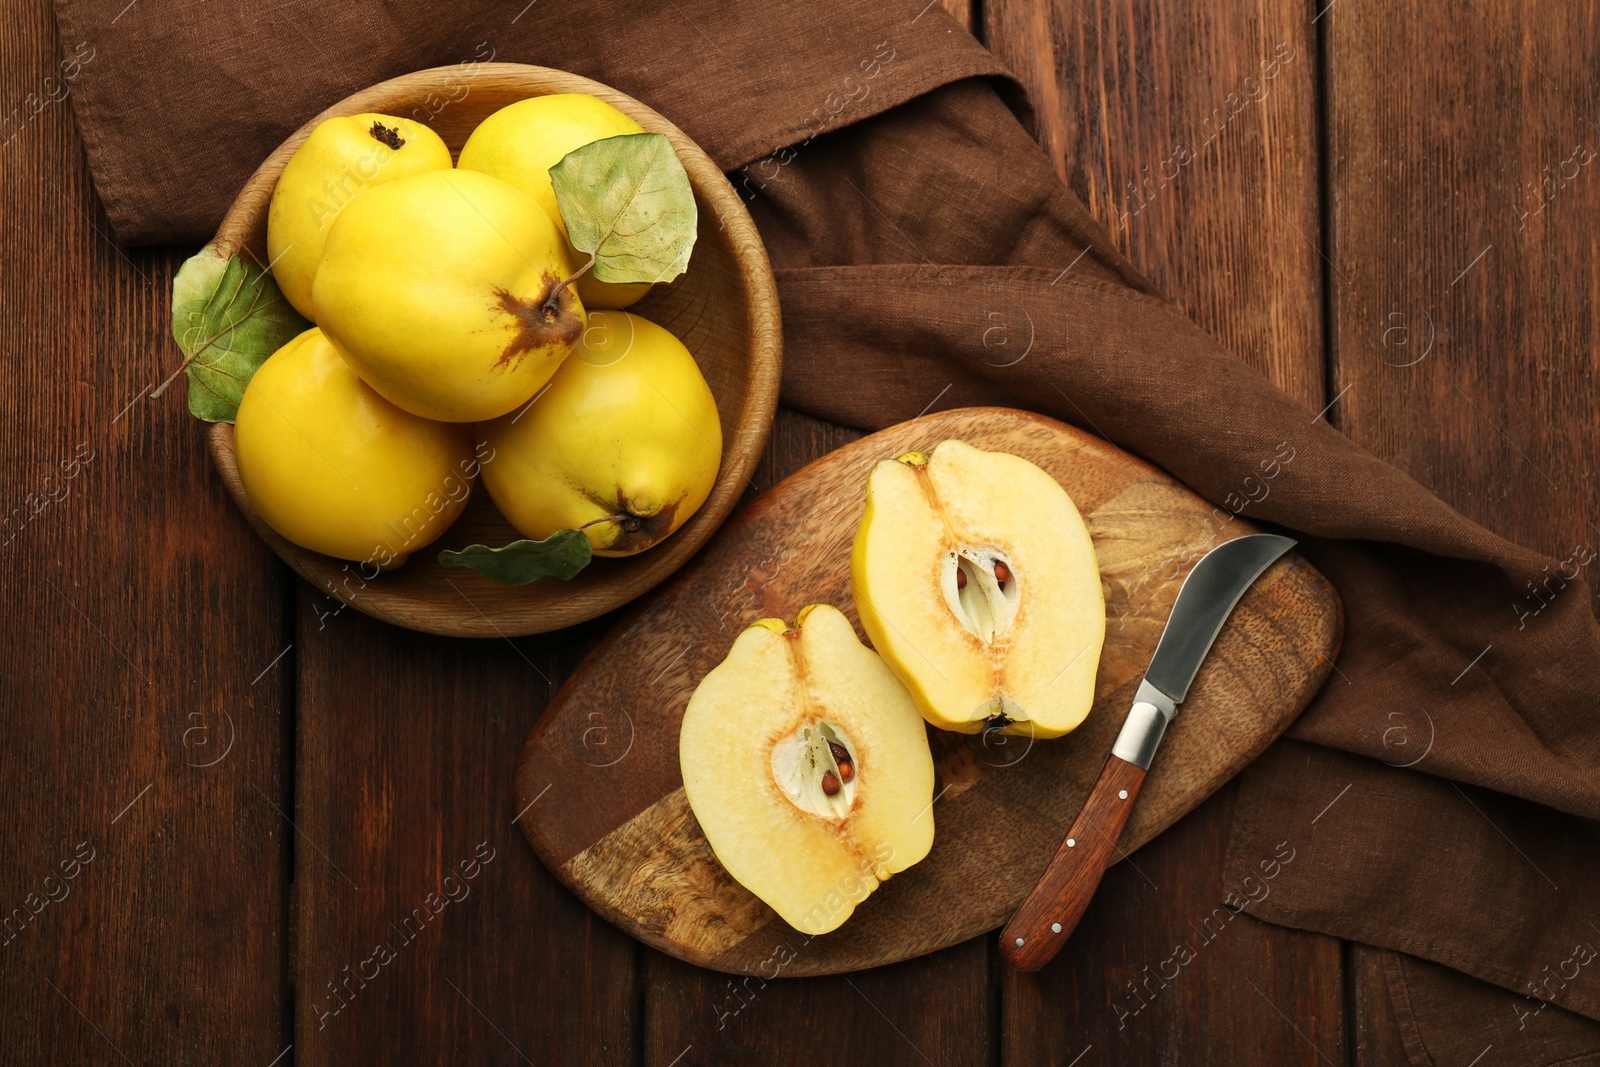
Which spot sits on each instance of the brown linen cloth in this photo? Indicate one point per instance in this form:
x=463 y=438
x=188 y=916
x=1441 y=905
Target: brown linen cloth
x=1442 y=790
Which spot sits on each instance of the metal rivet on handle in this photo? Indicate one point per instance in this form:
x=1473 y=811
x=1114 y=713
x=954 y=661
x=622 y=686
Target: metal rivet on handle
x=1122 y=794
x=1071 y=843
x=1055 y=928
x=1019 y=942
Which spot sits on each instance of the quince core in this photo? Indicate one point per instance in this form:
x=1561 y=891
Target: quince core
x=808 y=768
x=976 y=579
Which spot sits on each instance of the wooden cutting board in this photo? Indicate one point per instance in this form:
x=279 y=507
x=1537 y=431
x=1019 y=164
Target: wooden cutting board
x=598 y=785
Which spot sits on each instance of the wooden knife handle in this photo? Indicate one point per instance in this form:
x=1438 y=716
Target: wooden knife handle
x=1046 y=919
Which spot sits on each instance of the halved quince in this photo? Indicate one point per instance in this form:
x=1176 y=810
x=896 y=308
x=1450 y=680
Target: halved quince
x=808 y=767
x=975 y=577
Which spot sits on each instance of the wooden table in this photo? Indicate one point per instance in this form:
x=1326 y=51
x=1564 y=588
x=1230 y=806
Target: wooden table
x=270 y=787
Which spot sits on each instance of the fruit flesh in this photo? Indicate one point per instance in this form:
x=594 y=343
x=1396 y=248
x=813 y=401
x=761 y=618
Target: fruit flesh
x=341 y=157
x=334 y=467
x=977 y=652
x=812 y=858
x=435 y=286
x=522 y=141
x=625 y=444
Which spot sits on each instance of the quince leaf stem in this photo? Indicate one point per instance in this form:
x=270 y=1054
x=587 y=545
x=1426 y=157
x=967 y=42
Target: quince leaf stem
x=626 y=201
x=228 y=316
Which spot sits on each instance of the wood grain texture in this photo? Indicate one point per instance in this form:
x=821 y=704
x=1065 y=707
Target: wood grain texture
x=1050 y=912
x=724 y=309
x=1463 y=237
x=618 y=830
x=1234 y=236
x=961 y=11
x=1465 y=338
x=142 y=869
x=1374 y=1024
x=427 y=931
x=1190 y=131
x=936 y=1009
x=1162 y=970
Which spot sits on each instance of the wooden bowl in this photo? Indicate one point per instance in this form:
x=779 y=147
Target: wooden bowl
x=725 y=309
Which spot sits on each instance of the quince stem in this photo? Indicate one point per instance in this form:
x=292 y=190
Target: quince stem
x=629 y=523
x=551 y=304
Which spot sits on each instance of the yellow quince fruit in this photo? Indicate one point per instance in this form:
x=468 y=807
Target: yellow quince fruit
x=976 y=578
x=336 y=468
x=343 y=156
x=624 y=445
x=438 y=290
x=808 y=768
x=522 y=141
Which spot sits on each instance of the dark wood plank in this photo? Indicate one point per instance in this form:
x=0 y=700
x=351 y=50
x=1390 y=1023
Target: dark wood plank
x=427 y=929
x=796 y=440
x=1465 y=324
x=142 y=872
x=960 y=10
x=937 y=1007
x=1194 y=139
x=1373 y=1024
x=1462 y=216
x=1191 y=134
x=1161 y=965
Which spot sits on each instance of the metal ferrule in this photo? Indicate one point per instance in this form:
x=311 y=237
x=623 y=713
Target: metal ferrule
x=1146 y=723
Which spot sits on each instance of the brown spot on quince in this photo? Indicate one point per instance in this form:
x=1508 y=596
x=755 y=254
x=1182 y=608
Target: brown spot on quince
x=636 y=532
x=536 y=326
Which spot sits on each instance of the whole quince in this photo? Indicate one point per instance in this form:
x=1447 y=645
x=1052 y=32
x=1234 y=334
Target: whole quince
x=336 y=468
x=624 y=445
x=343 y=156
x=445 y=291
x=522 y=141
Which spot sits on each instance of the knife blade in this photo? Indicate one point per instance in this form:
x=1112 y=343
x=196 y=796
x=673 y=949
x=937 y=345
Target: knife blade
x=1205 y=600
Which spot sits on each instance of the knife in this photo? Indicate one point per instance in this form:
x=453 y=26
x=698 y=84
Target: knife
x=1208 y=595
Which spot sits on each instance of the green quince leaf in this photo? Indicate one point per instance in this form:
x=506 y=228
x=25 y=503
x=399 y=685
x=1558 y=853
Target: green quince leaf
x=626 y=201
x=228 y=316
x=561 y=555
